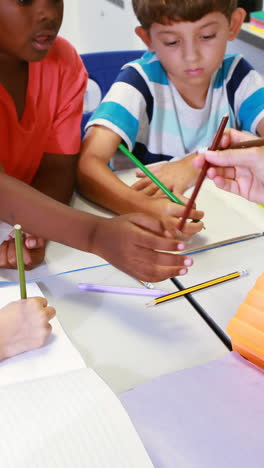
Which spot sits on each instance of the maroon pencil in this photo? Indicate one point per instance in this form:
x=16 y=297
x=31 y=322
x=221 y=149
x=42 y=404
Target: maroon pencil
x=248 y=144
x=203 y=172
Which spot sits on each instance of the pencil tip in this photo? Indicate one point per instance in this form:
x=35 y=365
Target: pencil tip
x=151 y=303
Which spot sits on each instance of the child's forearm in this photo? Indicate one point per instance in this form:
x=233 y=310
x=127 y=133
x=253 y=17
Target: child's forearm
x=43 y=216
x=56 y=176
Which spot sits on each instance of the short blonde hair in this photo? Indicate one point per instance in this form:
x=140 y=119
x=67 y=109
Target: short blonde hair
x=167 y=11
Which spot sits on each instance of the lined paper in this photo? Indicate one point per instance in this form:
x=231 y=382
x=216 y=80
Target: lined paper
x=67 y=421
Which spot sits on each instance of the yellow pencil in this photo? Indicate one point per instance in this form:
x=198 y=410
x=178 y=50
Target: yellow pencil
x=192 y=289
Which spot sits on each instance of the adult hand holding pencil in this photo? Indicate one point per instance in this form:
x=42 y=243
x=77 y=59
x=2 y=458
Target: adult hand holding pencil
x=204 y=169
x=239 y=168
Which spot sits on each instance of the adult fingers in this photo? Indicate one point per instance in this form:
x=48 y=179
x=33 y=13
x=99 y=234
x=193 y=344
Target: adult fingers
x=226 y=172
x=232 y=157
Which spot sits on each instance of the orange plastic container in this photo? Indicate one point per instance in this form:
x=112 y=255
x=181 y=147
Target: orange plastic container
x=246 y=328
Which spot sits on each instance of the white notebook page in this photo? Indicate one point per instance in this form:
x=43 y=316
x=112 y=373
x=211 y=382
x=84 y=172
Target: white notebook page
x=57 y=356
x=67 y=421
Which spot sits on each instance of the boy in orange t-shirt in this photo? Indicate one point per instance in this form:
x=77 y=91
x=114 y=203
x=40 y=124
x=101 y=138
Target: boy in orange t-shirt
x=42 y=84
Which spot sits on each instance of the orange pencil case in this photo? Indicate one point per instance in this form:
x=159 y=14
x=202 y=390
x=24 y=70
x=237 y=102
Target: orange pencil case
x=246 y=328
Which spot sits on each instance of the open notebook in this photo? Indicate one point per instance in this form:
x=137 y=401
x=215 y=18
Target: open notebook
x=70 y=420
x=62 y=415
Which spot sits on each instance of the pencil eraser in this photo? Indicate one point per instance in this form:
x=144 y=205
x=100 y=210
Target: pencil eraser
x=246 y=328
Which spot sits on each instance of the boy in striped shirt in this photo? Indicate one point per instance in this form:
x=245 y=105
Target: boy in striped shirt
x=170 y=102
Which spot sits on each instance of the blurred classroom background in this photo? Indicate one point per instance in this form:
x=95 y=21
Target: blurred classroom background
x=105 y=25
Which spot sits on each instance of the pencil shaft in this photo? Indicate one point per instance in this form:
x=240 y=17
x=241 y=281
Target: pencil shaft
x=206 y=317
x=203 y=172
x=151 y=176
x=232 y=240
x=248 y=144
x=20 y=262
x=197 y=287
x=121 y=290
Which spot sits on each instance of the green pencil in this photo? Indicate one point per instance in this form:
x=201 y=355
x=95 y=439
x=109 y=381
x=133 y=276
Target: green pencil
x=154 y=179
x=20 y=262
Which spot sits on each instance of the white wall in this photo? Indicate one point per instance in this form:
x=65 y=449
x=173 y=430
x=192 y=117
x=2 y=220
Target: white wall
x=252 y=54
x=96 y=25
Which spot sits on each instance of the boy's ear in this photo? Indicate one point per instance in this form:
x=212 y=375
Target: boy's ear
x=237 y=19
x=143 y=34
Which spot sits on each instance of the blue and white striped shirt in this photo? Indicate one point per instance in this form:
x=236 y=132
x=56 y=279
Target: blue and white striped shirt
x=152 y=118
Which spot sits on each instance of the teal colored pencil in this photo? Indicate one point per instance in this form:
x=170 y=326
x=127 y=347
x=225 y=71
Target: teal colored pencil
x=20 y=262
x=154 y=179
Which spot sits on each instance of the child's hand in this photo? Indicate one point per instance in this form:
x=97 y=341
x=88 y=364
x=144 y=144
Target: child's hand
x=133 y=243
x=33 y=252
x=177 y=176
x=24 y=325
x=169 y=213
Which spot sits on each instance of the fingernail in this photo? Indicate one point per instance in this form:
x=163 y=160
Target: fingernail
x=181 y=246
x=31 y=243
x=183 y=271
x=188 y=262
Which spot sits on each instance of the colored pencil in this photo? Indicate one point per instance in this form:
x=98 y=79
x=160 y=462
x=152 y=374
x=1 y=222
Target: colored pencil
x=203 y=172
x=215 y=245
x=121 y=290
x=248 y=144
x=20 y=262
x=197 y=287
x=205 y=316
x=149 y=174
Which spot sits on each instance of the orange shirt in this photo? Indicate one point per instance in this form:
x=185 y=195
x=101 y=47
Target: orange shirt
x=52 y=114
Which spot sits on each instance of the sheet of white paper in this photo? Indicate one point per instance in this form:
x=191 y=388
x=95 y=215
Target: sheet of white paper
x=57 y=356
x=66 y=421
x=59 y=258
x=5 y=230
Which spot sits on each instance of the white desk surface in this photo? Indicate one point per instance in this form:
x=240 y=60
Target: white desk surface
x=221 y=301
x=127 y=343
x=124 y=341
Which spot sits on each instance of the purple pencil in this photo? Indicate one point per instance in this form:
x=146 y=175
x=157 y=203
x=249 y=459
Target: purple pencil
x=121 y=290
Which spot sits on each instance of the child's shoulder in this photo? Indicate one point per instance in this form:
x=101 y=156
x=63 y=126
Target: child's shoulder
x=150 y=68
x=233 y=67
x=63 y=52
x=235 y=63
